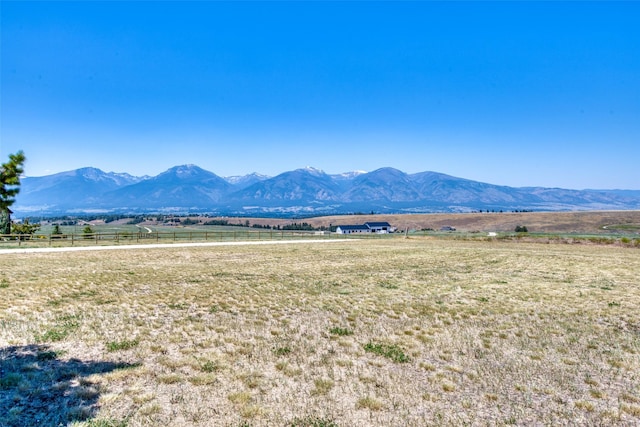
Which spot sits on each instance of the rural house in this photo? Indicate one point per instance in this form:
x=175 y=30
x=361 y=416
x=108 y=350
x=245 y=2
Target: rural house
x=379 y=227
x=367 y=227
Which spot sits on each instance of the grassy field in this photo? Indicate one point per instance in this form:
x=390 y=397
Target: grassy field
x=410 y=332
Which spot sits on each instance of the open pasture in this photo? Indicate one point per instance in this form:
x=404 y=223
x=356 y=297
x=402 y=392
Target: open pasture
x=411 y=332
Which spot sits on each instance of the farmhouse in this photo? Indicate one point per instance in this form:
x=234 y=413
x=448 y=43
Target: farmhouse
x=367 y=227
x=379 y=227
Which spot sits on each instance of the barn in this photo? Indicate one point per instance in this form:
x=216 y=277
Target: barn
x=351 y=229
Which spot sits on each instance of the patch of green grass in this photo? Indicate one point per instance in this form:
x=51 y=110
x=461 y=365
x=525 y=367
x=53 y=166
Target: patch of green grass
x=62 y=328
x=390 y=351
x=209 y=366
x=178 y=306
x=9 y=380
x=4 y=283
x=282 y=351
x=312 y=421
x=122 y=345
x=341 y=331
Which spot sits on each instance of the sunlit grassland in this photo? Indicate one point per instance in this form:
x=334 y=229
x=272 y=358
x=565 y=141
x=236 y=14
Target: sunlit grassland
x=352 y=333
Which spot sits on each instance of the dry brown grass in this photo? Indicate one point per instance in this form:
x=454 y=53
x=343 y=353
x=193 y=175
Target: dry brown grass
x=495 y=333
x=548 y=222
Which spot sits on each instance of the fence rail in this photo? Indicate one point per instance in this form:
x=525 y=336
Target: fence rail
x=124 y=237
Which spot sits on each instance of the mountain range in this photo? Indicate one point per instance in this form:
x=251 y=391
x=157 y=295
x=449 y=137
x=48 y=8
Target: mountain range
x=306 y=191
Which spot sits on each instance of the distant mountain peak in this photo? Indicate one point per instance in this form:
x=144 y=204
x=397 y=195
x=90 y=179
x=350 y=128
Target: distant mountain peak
x=312 y=170
x=349 y=175
x=235 y=179
x=185 y=169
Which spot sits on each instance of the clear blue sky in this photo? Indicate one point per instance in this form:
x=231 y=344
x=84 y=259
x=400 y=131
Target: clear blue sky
x=511 y=93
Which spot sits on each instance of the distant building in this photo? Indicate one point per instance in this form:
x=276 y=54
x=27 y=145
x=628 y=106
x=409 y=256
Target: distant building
x=350 y=229
x=379 y=227
x=367 y=227
x=447 y=228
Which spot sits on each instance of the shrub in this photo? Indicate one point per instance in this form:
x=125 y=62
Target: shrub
x=392 y=351
x=521 y=229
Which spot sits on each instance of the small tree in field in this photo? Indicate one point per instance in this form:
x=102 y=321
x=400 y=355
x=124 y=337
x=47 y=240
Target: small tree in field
x=56 y=229
x=9 y=187
x=522 y=229
x=25 y=227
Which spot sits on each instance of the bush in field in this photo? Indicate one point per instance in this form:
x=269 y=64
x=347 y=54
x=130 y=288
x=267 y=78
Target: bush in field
x=87 y=231
x=521 y=229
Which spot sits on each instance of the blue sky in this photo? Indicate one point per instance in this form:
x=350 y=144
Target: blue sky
x=510 y=93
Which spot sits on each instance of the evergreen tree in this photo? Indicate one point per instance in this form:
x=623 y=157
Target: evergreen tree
x=9 y=187
x=25 y=227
